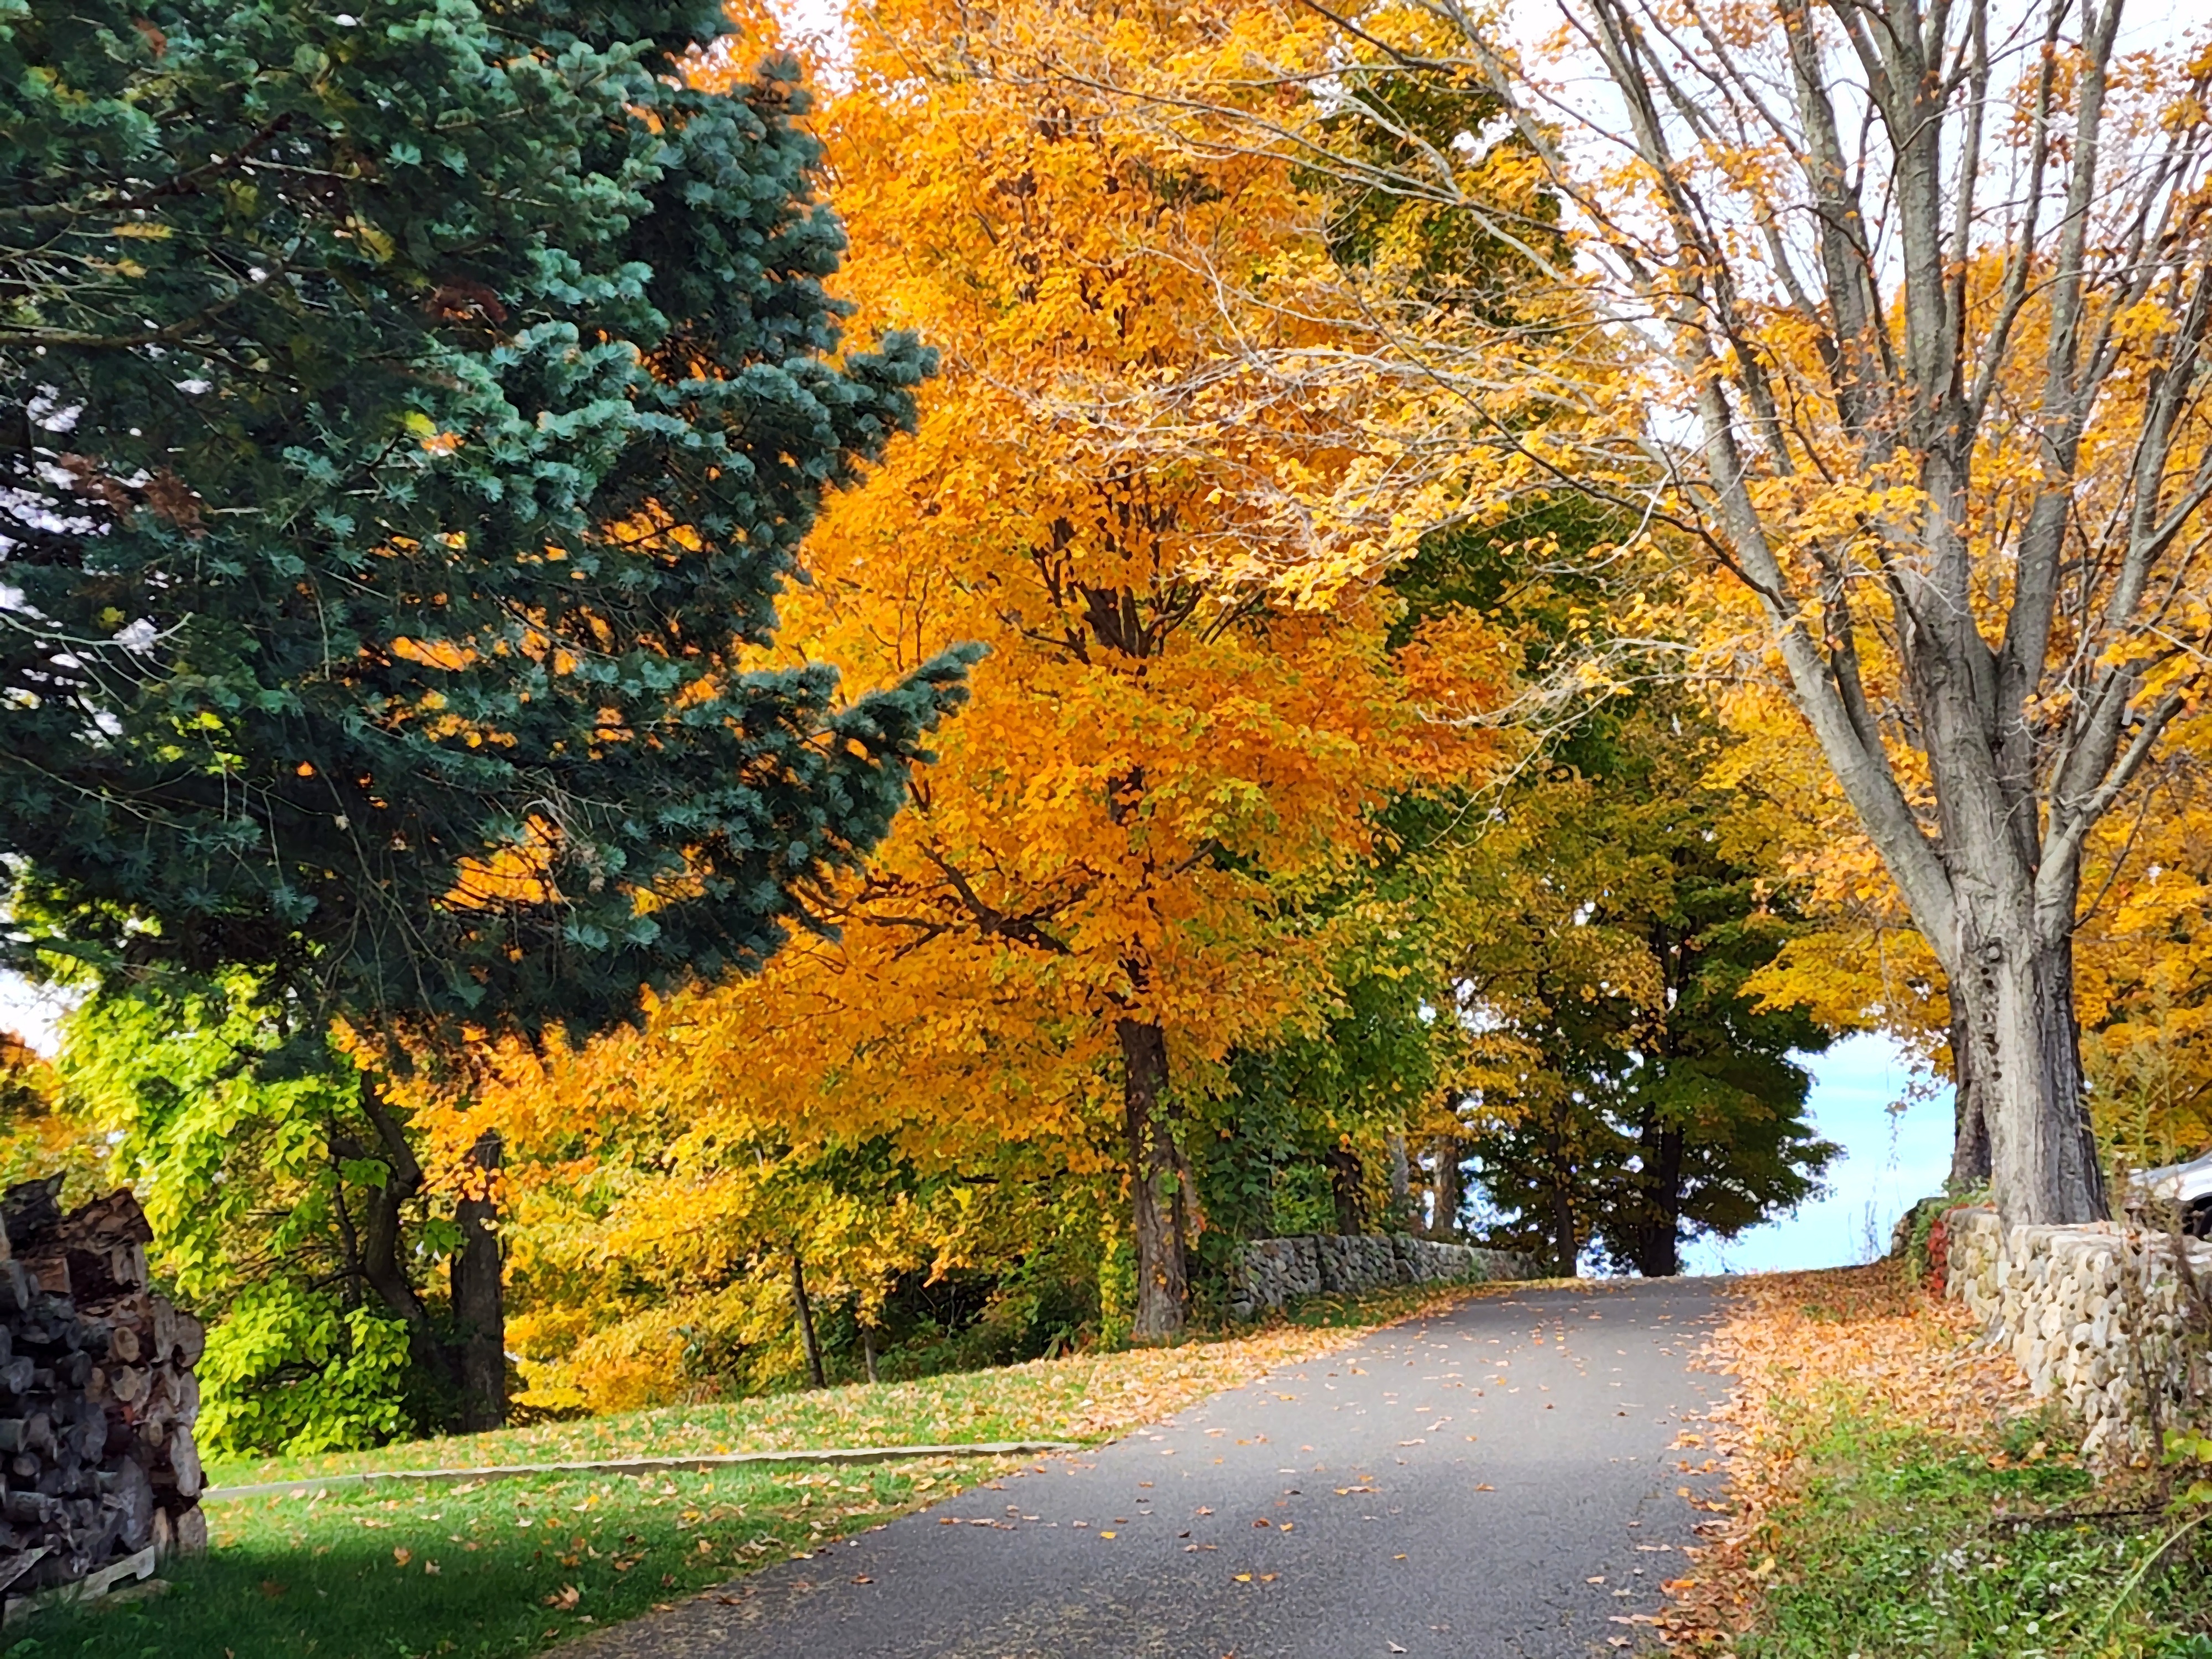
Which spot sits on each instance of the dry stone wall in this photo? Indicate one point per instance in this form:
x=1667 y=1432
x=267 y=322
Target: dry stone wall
x=1269 y=1271
x=2095 y=1316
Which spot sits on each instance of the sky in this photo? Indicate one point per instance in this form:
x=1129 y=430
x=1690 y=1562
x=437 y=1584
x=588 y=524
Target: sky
x=1891 y=1160
x=30 y=1012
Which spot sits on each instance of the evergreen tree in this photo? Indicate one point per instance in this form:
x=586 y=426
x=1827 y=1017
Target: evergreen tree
x=408 y=417
x=414 y=417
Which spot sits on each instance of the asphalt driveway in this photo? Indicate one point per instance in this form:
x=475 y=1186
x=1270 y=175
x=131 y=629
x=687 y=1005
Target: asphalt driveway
x=1501 y=1481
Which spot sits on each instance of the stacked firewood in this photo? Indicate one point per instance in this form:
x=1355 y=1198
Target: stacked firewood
x=97 y=1395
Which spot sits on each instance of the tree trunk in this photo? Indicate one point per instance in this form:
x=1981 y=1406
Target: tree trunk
x=1565 y=1247
x=1444 y=1188
x=479 y=1299
x=1970 y=1134
x=1156 y=1178
x=1658 y=1235
x=1402 y=1183
x=2024 y=1066
x=383 y=1211
x=1347 y=1185
x=805 y=1310
x=868 y=1348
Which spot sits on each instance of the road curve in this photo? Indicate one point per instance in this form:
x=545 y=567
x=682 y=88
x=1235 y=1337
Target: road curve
x=1498 y=1481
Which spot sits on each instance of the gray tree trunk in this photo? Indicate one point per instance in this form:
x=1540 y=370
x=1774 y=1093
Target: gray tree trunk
x=1402 y=1183
x=2018 y=997
x=1444 y=1186
x=1970 y=1130
x=1157 y=1176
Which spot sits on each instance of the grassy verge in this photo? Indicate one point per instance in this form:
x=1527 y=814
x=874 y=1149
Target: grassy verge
x=1895 y=1492
x=1902 y=1540
x=502 y=1569
x=1082 y=1397
x=499 y=1568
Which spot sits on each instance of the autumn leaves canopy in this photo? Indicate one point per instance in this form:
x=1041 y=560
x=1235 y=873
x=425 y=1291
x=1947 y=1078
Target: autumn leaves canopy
x=1321 y=454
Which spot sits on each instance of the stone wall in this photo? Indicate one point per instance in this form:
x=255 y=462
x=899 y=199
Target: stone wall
x=1269 y=1271
x=2094 y=1315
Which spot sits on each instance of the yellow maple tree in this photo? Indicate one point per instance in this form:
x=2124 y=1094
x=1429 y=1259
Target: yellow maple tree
x=1191 y=711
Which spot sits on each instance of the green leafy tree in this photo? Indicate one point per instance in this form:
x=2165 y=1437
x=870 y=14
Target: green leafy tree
x=1299 y=1141
x=1651 y=1098
x=264 y=1197
x=413 y=413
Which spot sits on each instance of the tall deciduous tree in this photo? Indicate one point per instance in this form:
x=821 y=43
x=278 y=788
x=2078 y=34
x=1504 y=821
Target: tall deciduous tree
x=1191 y=711
x=1921 y=291
x=414 y=417
x=1936 y=281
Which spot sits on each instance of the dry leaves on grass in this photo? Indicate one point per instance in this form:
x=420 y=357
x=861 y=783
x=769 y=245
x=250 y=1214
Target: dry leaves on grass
x=1786 y=1337
x=1141 y=1385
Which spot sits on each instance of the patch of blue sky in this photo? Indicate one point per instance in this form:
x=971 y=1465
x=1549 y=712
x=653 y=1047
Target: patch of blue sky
x=1891 y=1160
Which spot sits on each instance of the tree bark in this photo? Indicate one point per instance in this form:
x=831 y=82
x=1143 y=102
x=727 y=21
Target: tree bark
x=1402 y=1183
x=805 y=1310
x=479 y=1297
x=1444 y=1188
x=1658 y=1235
x=1347 y=1185
x=868 y=1348
x=1157 y=1180
x=379 y=1236
x=1565 y=1247
x=1970 y=1134
x=2024 y=1066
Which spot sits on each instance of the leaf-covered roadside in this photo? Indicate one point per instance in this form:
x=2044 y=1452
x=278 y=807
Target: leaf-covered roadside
x=1896 y=1491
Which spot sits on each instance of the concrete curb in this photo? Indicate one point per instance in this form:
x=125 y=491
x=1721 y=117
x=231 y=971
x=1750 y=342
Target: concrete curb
x=646 y=1465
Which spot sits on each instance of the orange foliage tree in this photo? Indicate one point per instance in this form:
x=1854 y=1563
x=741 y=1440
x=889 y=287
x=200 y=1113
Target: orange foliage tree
x=1190 y=713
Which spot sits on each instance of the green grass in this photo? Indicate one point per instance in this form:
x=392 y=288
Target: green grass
x=1072 y=1398
x=489 y=1569
x=1903 y=1542
x=346 y=1572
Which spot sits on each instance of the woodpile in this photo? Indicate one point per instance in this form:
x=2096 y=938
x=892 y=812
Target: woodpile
x=97 y=1395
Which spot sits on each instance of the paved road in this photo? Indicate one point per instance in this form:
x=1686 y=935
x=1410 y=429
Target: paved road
x=1497 y=1482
